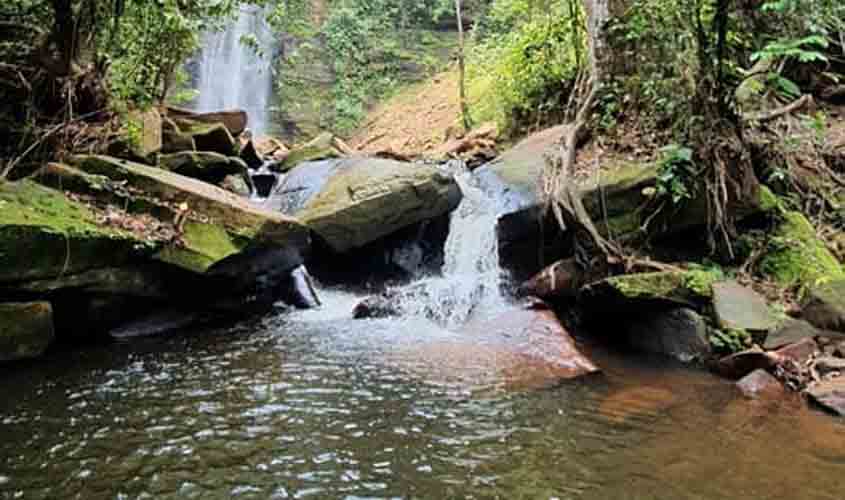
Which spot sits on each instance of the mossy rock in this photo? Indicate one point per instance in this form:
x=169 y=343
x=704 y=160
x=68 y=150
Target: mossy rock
x=202 y=246
x=824 y=305
x=209 y=136
x=203 y=165
x=43 y=235
x=796 y=257
x=26 y=329
x=320 y=148
x=692 y=288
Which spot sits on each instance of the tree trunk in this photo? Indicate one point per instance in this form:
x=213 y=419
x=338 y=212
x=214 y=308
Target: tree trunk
x=462 y=69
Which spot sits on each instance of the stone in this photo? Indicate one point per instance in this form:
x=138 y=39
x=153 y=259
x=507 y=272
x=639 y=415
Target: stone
x=235 y=120
x=824 y=305
x=798 y=352
x=320 y=148
x=791 y=331
x=149 y=139
x=678 y=333
x=236 y=184
x=376 y=306
x=26 y=329
x=352 y=202
x=760 y=384
x=796 y=257
x=829 y=395
x=827 y=365
x=560 y=279
x=633 y=292
x=250 y=156
x=218 y=223
x=742 y=363
x=174 y=140
x=203 y=165
x=43 y=235
x=264 y=183
x=213 y=137
x=740 y=308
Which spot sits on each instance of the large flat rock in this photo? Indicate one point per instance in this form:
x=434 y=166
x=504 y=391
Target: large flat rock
x=351 y=202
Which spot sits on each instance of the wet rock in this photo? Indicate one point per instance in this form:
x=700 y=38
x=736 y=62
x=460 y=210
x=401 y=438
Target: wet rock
x=824 y=306
x=738 y=307
x=264 y=183
x=213 y=137
x=679 y=333
x=791 y=331
x=203 y=165
x=798 y=352
x=235 y=121
x=236 y=184
x=760 y=384
x=174 y=140
x=322 y=147
x=250 y=156
x=26 y=329
x=300 y=290
x=376 y=306
x=829 y=395
x=796 y=257
x=352 y=202
x=740 y=364
x=157 y=323
x=557 y=280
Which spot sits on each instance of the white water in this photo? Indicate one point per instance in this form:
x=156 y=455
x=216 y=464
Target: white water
x=471 y=280
x=233 y=75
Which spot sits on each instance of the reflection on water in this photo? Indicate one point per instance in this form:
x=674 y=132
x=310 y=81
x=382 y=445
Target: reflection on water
x=318 y=406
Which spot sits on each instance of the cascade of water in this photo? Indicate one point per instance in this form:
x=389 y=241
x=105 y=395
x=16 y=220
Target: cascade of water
x=234 y=75
x=471 y=280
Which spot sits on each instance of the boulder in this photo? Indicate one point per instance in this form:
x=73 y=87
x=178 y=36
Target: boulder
x=376 y=306
x=250 y=156
x=322 y=147
x=679 y=333
x=829 y=395
x=214 y=223
x=740 y=308
x=559 y=280
x=796 y=257
x=235 y=121
x=349 y=203
x=760 y=384
x=632 y=292
x=203 y=165
x=790 y=332
x=174 y=140
x=26 y=329
x=824 y=305
x=742 y=363
x=264 y=183
x=141 y=138
x=209 y=136
x=236 y=184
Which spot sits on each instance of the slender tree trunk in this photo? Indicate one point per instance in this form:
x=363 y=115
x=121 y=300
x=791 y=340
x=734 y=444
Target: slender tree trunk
x=462 y=95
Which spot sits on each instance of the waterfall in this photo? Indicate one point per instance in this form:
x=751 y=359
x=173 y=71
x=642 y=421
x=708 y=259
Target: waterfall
x=471 y=279
x=232 y=75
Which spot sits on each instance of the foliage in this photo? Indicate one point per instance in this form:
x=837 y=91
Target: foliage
x=676 y=176
x=730 y=341
x=526 y=57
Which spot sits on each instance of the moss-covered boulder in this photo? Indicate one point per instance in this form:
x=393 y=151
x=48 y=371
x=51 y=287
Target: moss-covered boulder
x=796 y=257
x=203 y=165
x=235 y=120
x=141 y=136
x=355 y=201
x=692 y=288
x=209 y=136
x=26 y=329
x=320 y=148
x=43 y=235
x=214 y=223
x=824 y=305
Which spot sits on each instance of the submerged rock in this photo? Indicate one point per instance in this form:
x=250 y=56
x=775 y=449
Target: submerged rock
x=829 y=395
x=760 y=384
x=739 y=307
x=26 y=329
x=352 y=202
x=824 y=305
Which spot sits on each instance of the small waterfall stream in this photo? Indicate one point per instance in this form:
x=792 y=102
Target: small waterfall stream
x=233 y=75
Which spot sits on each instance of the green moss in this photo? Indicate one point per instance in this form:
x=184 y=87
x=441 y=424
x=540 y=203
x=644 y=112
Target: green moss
x=202 y=245
x=795 y=256
x=769 y=201
x=682 y=286
x=318 y=149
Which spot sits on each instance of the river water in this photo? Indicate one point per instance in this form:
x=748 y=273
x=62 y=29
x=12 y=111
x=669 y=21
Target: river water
x=314 y=404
